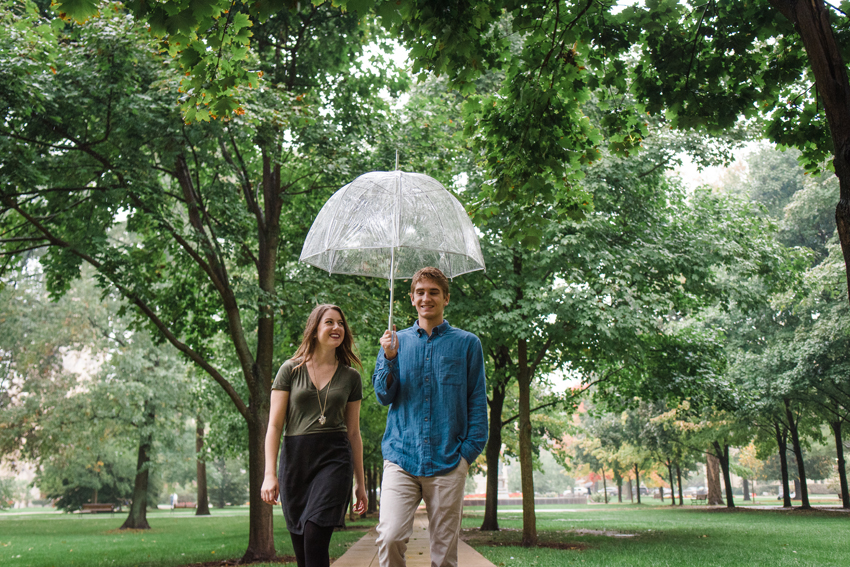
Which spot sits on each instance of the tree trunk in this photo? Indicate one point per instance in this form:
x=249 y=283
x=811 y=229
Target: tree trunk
x=797 y=491
x=842 y=471
x=712 y=480
x=811 y=20
x=781 y=442
x=494 y=451
x=203 y=499
x=637 y=482
x=629 y=490
x=372 y=505
x=679 y=478
x=746 y=490
x=218 y=497
x=529 y=519
x=94 y=496
x=672 y=484
x=619 y=479
x=138 y=520
x=376 y=483
x=260 y=373
x=723 y=457
x=803 y=493
x=604 y=486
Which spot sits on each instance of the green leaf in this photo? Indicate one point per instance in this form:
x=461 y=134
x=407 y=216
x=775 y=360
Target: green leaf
x=78 y=10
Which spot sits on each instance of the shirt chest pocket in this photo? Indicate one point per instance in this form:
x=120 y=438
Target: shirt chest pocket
x=452 y=371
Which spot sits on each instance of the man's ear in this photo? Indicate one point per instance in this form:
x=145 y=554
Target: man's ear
x=448 y=295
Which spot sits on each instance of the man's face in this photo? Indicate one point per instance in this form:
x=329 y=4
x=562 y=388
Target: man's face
x=429 y=301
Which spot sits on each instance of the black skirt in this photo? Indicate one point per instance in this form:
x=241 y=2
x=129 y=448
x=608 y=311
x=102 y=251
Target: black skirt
x=315 y=475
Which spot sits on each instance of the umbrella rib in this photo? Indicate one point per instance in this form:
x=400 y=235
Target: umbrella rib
x=443 y=228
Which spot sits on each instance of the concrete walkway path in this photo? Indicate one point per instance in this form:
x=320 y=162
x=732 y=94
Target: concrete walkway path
x=364 y=553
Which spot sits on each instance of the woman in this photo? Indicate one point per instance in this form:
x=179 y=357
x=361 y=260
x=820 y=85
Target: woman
x=317 y=394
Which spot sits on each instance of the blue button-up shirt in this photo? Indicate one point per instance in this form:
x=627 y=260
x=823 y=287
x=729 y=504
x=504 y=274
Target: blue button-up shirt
x=437 y=399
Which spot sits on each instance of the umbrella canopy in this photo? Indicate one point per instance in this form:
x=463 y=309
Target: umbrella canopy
x=389 y=224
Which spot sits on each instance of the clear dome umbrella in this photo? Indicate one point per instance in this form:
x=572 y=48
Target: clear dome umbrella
x=389 y=224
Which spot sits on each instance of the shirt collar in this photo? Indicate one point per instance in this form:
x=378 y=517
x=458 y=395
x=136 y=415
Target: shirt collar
x=439 y=329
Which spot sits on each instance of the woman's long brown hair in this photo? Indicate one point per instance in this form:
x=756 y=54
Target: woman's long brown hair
x=344 y=352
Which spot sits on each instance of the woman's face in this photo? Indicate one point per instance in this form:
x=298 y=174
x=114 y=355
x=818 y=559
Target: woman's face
x=331 y=330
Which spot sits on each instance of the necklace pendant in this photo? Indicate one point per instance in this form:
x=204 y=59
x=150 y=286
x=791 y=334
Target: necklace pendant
x=322 y=420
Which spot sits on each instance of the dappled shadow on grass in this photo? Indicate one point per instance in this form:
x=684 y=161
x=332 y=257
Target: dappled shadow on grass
x=507 y=537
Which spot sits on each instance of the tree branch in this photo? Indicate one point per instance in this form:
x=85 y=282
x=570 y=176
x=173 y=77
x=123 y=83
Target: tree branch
x=144 y=307
x=572 y=396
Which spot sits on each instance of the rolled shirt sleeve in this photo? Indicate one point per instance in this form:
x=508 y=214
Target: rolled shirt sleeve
x=476 y=388
x=383 y=369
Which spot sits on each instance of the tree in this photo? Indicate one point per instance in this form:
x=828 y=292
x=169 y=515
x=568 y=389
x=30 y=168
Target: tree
x=768 y=53
x=214 y=211
x=80 y=427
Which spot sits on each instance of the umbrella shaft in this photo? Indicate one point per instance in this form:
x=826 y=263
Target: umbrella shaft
x=390 y=324
x=392 y=277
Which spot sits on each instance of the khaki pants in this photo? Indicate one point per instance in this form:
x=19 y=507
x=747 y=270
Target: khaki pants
x=401 y=493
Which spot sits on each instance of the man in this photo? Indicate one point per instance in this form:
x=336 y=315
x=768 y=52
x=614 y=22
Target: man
x=432 y=377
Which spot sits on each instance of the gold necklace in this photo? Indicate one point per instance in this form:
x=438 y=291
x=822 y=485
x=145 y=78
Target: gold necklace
x=322 y=418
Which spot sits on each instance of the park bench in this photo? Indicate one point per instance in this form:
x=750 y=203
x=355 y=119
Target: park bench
x=699 y=498
x=95 y=508
x=184 y=505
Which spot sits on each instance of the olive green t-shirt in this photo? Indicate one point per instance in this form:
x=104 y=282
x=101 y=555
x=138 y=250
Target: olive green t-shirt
x=302 y=415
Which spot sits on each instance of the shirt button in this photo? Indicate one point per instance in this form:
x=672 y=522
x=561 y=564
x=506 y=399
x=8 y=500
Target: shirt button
x=426 y=419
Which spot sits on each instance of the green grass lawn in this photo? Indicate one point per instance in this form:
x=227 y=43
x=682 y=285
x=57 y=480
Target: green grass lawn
x=176 y=538
x=634 y=536
x=573 y=535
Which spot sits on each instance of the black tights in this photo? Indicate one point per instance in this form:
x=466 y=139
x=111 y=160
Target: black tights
x=311 y=547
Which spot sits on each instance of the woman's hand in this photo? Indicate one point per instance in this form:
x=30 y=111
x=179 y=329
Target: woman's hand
x=270 y=490
x=361 y=499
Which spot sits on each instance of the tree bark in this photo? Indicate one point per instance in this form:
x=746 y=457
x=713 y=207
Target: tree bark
x=811 y=20
x=619 y=479
x=679 y=478
x=529 y=519
x=494 y=451
x=781 y=442
x=803 y=493
x=629 y=490
x=218 y=495
x=842 y=469
x=712 y=480
x=372 y=506
x=637 y=482
x=137 y=519
x=604 y=486
x=746 y=490
x=672 y=484
x=256 y=367
x=723 y=457
x=203 y=498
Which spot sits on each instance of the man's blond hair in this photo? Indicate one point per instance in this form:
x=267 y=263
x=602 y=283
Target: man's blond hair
x=433 y=274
